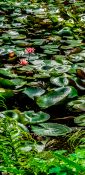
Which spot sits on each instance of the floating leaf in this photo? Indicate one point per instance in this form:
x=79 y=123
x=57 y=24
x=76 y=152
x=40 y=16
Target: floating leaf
x=6 y=83
x=54 y=97
x=12 y=114
x=77 y=105
x=30 y=117
x=73 y=93
x=59 y=81
x=32 y=92
x=18 y=82
x=38 y=41
x=80 y=120
x=6 y=72
x=21 y=43
x=51 y=129
x=6 y=93
x=65 y=32
x=50 y=49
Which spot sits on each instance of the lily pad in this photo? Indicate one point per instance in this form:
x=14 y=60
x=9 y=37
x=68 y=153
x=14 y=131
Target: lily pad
x=51 y=129
x=73 y=93
x=80 y=120
x=6 y=83
x=32 y=92
x=54 y=97
x=18 y=37
x=38 y=41
x=65 y=32
x=77 y=105
x=59 y=81
x=6 y=72
x=12 y=114
x=6 y=93
x=18 y=82
x=30 y=117
x=21 y=43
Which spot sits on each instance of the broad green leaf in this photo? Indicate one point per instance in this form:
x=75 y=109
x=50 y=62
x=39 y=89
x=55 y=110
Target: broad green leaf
x=77 y=105
x=30 y=117
x=73 y=93
x=6 y=72
x=38 y=42
x=80 y=120
x=32 y=92
x=12 y=114
x=6 y=93
x=6 y=83
x=54 y=97
x=18 y=82
x=51 y=129
x=59 y=81
x=65 y=32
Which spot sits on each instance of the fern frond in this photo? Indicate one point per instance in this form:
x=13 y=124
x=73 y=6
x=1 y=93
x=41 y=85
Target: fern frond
x=12 y=141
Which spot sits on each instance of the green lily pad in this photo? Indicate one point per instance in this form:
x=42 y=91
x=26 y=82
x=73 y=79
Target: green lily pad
x=74 y=43
x=51 y=129
x=62 y=69
x=54 y=97
x=50 y=49
x=80 y=120
x=18 y=37
x=1 y=42
x=18 y=82
x=38 y=41
x=12 y=32
x=21 y=43
x=30 y=117
x=77 y=105
x=6 y=93
x=42 y=75
x=22 y=19
x=6 y=72
x=73 y=93
x=59 y=81
x=11 y=113
x=32 y=92
x=65 y=32
x=6 y=83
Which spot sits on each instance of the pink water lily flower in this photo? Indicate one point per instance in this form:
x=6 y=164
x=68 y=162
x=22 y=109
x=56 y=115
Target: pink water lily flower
x=23 y=62
x=30 y=50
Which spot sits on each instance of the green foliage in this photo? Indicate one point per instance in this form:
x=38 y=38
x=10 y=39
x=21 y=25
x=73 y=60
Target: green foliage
x=53 y=82
x=16 y=157
x=54 y=97
x=51 y=129
x=77 y=139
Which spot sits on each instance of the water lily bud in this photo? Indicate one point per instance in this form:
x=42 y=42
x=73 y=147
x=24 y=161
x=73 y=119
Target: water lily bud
x=23 y=62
